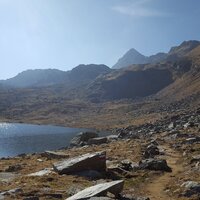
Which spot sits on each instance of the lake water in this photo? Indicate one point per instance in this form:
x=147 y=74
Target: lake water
x=26 y=138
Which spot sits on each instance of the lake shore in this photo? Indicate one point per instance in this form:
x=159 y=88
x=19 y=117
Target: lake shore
x=130 y=147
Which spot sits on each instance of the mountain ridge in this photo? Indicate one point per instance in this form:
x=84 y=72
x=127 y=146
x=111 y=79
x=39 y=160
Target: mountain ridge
x=49 y=77
x=176 y=52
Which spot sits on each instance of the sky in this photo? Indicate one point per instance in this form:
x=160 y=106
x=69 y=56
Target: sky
x=65 y=33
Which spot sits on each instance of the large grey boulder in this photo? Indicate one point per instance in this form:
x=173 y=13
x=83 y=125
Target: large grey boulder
x=90 y=161
x=82 y=138
x=114 y=187
x=154 y=164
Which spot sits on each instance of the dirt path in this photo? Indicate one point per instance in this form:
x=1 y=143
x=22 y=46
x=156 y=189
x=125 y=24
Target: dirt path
x=156 y=188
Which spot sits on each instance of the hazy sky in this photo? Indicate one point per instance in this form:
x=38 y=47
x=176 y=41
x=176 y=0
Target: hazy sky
x=64 y=33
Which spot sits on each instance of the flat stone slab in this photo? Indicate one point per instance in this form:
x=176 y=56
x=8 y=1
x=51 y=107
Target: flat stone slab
x=114 y=187
x=42 y=172
x=90 y=161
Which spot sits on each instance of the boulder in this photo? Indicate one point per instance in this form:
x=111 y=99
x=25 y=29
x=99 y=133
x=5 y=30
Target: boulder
x=12 y=191
x=171 y=125
x=54 y=155
x=192 y=188
x=90 y=161
x=128 y=165
x=98 y=140
x=82 y=138
x=114 y=187
x=13 y=168
x=192 y=140
x=112 y=137
x=151 y=151
x=188 y=125
x=154 y=164
x=195 y=159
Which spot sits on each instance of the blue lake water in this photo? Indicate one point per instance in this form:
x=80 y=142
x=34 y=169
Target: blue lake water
x=26 y=138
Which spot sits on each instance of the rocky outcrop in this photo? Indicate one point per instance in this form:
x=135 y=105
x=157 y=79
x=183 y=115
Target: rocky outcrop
x=91 y=161
x=114 y=187
x=82 y=138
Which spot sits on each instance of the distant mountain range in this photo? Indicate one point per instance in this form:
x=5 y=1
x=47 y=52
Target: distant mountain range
x=134 y=57
x=81 y=74
x=159 y=74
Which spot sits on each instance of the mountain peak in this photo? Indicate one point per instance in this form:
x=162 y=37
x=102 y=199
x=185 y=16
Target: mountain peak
x=130 y=57
x=133 y=50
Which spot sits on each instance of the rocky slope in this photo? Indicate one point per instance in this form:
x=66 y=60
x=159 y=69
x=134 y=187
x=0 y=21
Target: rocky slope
x=130 y=84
